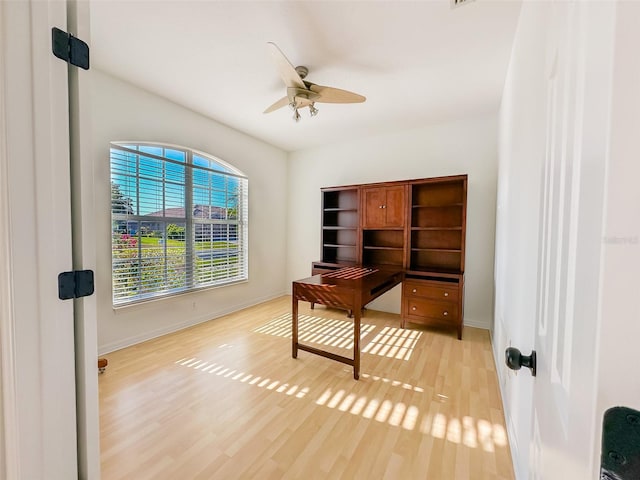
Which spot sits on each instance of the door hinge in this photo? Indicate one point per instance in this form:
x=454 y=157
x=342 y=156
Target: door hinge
x=76 y=284
x=69 y=48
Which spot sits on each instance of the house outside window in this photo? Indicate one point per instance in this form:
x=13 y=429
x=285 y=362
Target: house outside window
x=178 y=221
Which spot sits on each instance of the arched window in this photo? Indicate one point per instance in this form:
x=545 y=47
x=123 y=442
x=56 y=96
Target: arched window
x=178 y=221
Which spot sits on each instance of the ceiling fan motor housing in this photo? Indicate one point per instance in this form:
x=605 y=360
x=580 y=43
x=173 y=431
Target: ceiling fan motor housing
x=302 y=71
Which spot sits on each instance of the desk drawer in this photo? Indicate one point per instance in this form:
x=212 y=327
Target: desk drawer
x=418 y=308
x=434 y=290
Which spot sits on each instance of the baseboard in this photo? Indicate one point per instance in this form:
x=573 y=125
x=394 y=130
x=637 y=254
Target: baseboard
x=477 y=324
x=511 y=436
x=128 y=342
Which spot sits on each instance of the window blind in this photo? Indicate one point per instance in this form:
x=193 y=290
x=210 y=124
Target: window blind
x=178 y=221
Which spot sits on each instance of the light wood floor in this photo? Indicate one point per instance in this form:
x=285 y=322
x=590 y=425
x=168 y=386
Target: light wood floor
x=225 y=400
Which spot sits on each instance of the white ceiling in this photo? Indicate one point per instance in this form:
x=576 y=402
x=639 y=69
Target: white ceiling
x=417 y=62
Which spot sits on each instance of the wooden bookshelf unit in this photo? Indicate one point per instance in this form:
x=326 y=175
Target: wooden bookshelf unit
x=418 y=226
x=340 y=224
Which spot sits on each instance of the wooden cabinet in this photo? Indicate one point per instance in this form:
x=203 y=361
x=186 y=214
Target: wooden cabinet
x=416 y=225
x=384 y=207
x=434 y=282
x=435 y=301
x=383 y=224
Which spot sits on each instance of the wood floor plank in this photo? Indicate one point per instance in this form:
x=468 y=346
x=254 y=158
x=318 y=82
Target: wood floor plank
x=224 y=399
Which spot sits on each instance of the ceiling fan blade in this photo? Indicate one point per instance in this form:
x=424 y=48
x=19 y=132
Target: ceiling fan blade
x=284 y=101
x=335 y=95
x=289 y=75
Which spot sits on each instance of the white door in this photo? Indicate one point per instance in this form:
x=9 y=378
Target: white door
x=565 y=423
x=37 y=328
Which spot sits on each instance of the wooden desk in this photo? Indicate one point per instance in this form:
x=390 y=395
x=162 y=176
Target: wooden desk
x=350 y=288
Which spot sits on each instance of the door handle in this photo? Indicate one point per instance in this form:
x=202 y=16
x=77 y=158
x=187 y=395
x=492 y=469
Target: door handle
x=515 y=360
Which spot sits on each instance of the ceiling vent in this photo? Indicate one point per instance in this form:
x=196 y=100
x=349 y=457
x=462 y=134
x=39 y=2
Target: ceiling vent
x=459 y=3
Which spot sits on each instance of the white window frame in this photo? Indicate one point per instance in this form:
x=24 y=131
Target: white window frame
x=221 y=229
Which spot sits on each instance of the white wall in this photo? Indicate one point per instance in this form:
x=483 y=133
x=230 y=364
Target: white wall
x=124 y=112
x=466 y=146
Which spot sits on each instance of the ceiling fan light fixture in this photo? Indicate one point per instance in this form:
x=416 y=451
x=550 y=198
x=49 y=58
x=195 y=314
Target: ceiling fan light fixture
x=301 y=93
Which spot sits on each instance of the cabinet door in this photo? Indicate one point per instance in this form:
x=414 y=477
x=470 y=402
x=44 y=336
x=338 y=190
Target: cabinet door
x=374 y=201
x=384 y=207
x=394 y=206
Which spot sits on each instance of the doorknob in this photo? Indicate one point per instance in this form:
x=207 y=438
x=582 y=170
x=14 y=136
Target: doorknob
x=515 y=360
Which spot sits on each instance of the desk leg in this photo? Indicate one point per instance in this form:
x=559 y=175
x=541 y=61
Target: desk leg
x=356 y=341
x=294 y=327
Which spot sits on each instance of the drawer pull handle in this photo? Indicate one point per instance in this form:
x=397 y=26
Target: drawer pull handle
x=446 y=294
x=414 y=290
x=446 y=313
x=413 y=308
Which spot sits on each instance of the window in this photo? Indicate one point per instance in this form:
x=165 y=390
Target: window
x=178 y=221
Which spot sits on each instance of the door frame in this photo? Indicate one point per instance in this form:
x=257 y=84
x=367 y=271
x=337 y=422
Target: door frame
x=38 y=404
x=84 y=250
x=8 y=424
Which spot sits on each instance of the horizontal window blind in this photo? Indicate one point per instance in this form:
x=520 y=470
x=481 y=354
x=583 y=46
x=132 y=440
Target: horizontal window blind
x=178 y=221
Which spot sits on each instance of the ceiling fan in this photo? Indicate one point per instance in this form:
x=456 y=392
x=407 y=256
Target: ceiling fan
x=301 y=93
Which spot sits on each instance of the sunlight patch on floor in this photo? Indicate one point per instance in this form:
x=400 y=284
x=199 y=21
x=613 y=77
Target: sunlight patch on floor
x=470 y=432
x=467 y=431
x=320 y=330
x=394 y=383
x=393 y=342
x=243 y=377
x=390 y=342
x=329 y=331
